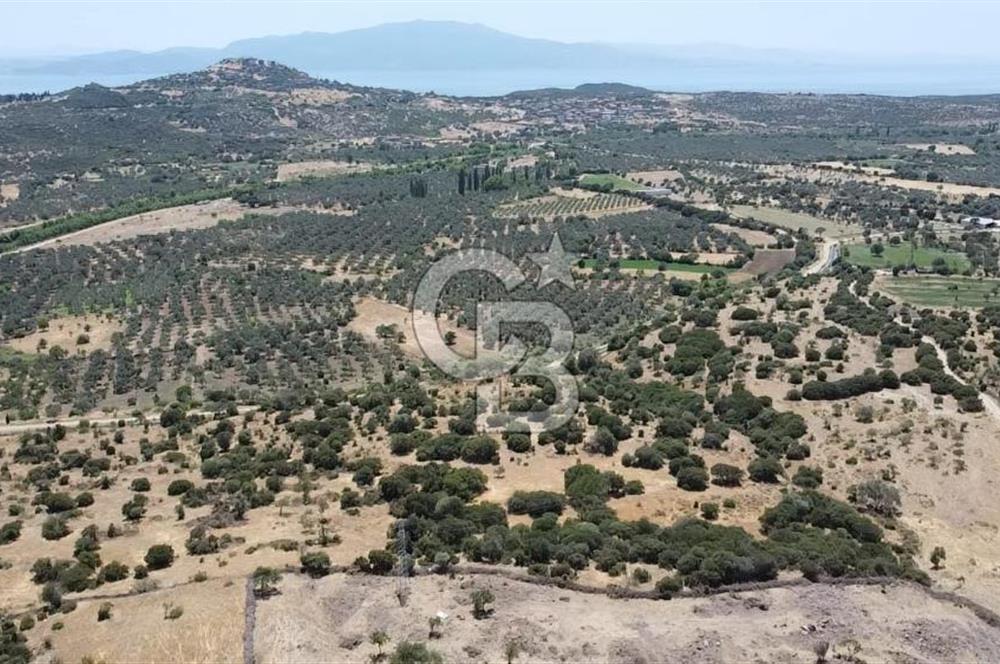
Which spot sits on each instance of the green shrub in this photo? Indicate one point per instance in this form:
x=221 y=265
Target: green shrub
x=668 y=586
x=315 y=563
x=692 y=478
x=179 y=487
x=10 y=532
x=54 y=528
x=159 y=556
x=765 y=469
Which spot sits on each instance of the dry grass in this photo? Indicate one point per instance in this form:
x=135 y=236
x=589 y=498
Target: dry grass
x=10 y=191
x=318 y=96
x=371 y=313
x=814 y=174
x=180 y=218
x=858 y=168
x=766 y=261
x=331 y=619
x=320 y=168
x=942 y=148
x=752 y=237
x=209 y=631
x=66 y=331
x=655 y=178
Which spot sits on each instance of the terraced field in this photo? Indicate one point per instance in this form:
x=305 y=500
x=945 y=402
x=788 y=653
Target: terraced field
x=551 y=207
x=652 y=265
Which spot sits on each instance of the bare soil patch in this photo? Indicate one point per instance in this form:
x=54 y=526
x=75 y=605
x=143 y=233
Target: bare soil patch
x=331 y=619
x=210 y=629
x=766 y=261
x=942 y=148
x=66 y=332
x=180 y=218
x=320 y=168
x=9 y=192
x=815 y=174
x=656 y=178
x=750 y=236
x=858 y=168
x=318 y=96
x=373 y=313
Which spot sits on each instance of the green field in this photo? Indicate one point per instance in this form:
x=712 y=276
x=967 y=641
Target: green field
x=904 y=254
x=654 y=266
x=933 y=291
x=794 y=220
x=615 y=182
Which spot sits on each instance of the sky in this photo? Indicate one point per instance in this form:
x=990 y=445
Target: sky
x=875 y=29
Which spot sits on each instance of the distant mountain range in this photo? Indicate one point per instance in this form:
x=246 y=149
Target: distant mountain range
x=458 y=52
x=417 y=45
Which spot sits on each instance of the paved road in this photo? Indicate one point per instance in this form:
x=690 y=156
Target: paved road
x=829 y=252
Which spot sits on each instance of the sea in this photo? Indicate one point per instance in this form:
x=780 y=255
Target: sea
x=896 y=80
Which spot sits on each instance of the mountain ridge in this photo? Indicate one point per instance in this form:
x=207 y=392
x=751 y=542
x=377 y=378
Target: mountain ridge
x=464 y=59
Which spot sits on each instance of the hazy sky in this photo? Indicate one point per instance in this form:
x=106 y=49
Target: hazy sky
x=958 y=28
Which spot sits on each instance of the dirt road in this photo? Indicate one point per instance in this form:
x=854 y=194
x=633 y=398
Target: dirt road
x=17 y=428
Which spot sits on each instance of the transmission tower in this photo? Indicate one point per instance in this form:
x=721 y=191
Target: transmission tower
x=404 y=564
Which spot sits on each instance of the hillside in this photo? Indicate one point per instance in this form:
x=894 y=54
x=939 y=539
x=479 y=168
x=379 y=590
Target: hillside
x=755 y=410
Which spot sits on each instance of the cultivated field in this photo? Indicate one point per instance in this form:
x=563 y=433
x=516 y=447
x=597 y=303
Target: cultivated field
x=609 y=180
x=795 y=220
x=933 y=291
x=904 y=253
x=554 y=206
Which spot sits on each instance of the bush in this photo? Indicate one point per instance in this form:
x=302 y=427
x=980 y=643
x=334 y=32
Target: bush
x=724 y=474
x=315 y=563
x=710 y=511
x=820 y=511
x=135 y=509
x=876 y=496
x=536 y=503
x=414 y=653
x=54 y=528
x=140 y=484
x=113 y=571
x=381 y=562
x=179 y=487
x=850 y=387
x=765 y=469
x=808 y=477
x=692 y=478
x=648 y=458
x=669 y=586
x=56 y=502
x=10 y=532
x=159 y=556
x=640 y=575
x=519 y=442
x=481 y=599
x=104 y=612
x=481 y=449
x=745 y=313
